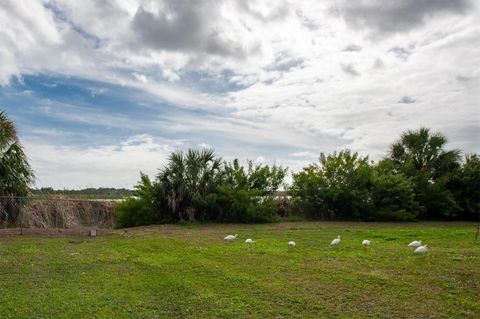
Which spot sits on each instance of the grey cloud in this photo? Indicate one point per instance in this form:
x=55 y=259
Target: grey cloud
x=378 y=64
x=284 y=62
x=407 y=100
x=353 y=48
x=397 y=16
x=401 y=52
x=307 y=22
x=463 y=78
x=349 y=69
x=183 y=25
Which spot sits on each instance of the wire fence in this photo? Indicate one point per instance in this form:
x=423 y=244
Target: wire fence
x=53 y=216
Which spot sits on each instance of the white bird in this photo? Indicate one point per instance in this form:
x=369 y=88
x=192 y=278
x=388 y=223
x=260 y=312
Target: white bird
x=291 y=244
x=421 y=249
x=366 y=242
x=230 y=237
x=415 y=243
x=250 y=241
x=336 y=241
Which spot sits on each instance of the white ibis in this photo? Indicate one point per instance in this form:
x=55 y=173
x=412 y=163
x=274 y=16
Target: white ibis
x=415 y=243
x=336 y=241
x=230 y=238
x=421 y=249
x=366 y=242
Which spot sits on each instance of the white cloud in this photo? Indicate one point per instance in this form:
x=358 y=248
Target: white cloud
x=116 y=165
x=308 y=75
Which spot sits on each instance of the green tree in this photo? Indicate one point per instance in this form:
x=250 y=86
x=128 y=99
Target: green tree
x=337 y=187
x=421 y=156
x=187 y=181
x=16 y=175
x=466 y=187
x=140 y=209
x=246 y=193
x=393 y=196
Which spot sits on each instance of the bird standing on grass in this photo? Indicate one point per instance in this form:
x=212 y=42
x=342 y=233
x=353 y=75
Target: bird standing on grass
x=366 y=242
x=230 y=238
x=336 y=241
x=415 y=243
x=421 y=250
x=250 y=241
x=291 y=244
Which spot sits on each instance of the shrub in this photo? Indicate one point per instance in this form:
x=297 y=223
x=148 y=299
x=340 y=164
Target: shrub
x=337 y=187
x=144 y=208
x=198 y=186
x=393 y=197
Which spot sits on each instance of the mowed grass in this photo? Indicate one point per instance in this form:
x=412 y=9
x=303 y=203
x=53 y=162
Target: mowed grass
x=189 y=272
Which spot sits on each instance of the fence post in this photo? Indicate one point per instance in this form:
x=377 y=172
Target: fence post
x=21 y=216
x=56 y=220
x=97 y=215
x=6 y=212
x=93 y=231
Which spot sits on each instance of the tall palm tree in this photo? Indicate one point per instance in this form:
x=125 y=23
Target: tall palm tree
x=189 y=177
x=422 y=157
x=423 y=151
x=16 y=175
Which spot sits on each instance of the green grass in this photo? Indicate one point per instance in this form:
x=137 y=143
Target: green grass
x=188 y=272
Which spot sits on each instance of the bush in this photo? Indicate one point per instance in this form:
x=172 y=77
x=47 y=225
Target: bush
x=337 y=187
x=198 y=186
x=393 y=197
x=144 y=208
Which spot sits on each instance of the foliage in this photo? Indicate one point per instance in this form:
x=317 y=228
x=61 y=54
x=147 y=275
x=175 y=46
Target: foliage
x=420 y=179
x=393 y=197
x=198 y=186
x=466 y=187
x=421 y=156
x=140 y=209
x=16 y=175
x=346 y=186
x=188 y=179
x=338 y=186
x=246 y=194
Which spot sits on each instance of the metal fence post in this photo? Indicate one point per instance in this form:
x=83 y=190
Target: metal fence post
x=21 y=216
x=56 y=221
x=97 y=215
x=6 y=212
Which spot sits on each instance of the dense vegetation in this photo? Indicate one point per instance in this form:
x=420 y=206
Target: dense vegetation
x=197 y=185
x=419 y=179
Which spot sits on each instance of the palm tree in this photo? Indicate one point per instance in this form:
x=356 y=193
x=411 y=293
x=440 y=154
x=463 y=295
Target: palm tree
x=421 y=156
x=423 y=152
x=16 y=175
x=188 y=178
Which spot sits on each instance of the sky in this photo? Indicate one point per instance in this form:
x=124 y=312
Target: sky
x=103 y=89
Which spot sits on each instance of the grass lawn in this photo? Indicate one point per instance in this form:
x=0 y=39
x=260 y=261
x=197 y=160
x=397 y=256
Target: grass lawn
x=188 y=272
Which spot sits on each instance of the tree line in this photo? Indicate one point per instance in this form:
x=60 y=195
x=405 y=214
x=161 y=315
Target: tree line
x=199 y=186
x=419 y=180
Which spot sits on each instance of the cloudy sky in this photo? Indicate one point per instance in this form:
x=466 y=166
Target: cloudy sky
x=101 y=89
